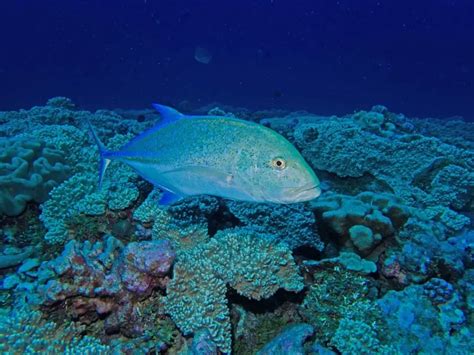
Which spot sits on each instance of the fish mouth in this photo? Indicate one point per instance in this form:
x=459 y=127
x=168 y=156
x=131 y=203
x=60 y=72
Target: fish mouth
x=301 y=194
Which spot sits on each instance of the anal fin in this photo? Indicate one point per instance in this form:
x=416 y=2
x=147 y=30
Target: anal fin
x=169 y=198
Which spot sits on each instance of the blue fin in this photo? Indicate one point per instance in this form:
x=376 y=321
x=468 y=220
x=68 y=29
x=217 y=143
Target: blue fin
x=169 y=198
x=104 y=160
x=168 y=115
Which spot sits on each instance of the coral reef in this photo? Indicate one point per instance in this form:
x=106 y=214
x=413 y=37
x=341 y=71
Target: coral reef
x=409 y=165
x=289 y=341
x=253 y=264
x=418 y=322
x=425 y=251
x=105 y=280
x=358 y=337
x=79 y=196
x=23 y=330
x=333 y=295
x=13 y=256
x=382 y=262
x=296 y=226
x=361 y=222
x=29 y=169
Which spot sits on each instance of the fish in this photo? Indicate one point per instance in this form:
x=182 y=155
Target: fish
x=202 y=55
x=187 y=155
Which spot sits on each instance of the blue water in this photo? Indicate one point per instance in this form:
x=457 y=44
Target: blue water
x=329 y=57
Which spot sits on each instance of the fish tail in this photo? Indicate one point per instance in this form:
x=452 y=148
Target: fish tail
x=104 y=154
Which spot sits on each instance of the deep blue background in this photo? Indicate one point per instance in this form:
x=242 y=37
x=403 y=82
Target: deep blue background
x=326 y=56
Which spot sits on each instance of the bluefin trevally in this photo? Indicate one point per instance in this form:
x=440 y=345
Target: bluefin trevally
x=213 y=155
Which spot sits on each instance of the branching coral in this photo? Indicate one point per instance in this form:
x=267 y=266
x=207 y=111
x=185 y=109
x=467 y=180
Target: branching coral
x=333 y=295
x=358 y=337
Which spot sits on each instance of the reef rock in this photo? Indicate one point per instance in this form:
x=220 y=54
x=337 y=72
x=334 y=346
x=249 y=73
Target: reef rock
x=105 y=280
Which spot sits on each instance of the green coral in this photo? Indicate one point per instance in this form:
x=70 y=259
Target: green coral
x=182 y=237
x=254 y=330
x=358 y=337
x=197 y=299
x=251 y=263
x=363 y=238
x=378 y=216
x=29 y=169
x=80 y=195
x=149 y=209
x=335 y=294
x=23 y=330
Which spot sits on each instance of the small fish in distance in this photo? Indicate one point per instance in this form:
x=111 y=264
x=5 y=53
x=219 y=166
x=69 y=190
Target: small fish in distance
x=213 y=155
x=202 y=55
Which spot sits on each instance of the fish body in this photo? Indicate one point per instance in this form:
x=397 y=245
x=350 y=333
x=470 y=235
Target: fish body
x=221 y=156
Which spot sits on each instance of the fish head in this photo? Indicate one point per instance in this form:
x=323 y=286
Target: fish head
x=280 y=174
x=290 y=180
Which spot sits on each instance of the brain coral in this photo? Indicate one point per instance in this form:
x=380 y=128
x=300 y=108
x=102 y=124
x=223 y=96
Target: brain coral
x=253 y=264
x=29 y=169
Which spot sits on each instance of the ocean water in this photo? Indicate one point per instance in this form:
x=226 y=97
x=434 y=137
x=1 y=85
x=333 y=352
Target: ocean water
x=252 y=253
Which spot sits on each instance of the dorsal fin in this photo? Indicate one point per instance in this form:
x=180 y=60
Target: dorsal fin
x=168 y=115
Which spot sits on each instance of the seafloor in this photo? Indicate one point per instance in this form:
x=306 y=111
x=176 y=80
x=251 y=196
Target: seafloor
x=382 y=262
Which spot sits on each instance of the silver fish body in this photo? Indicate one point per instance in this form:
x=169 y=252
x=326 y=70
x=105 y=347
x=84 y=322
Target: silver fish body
x=220 y=156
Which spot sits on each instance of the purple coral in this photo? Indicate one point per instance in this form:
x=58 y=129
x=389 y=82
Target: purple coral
x=143 y=265
x=105 y=279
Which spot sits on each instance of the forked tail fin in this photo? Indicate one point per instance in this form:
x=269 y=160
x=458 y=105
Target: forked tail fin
x=104 y=160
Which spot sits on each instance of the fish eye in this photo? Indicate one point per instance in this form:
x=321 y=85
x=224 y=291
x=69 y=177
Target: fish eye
x=279 y=163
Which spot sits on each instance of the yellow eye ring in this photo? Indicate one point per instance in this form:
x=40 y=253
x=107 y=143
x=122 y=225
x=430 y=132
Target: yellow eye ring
x=278 y=163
